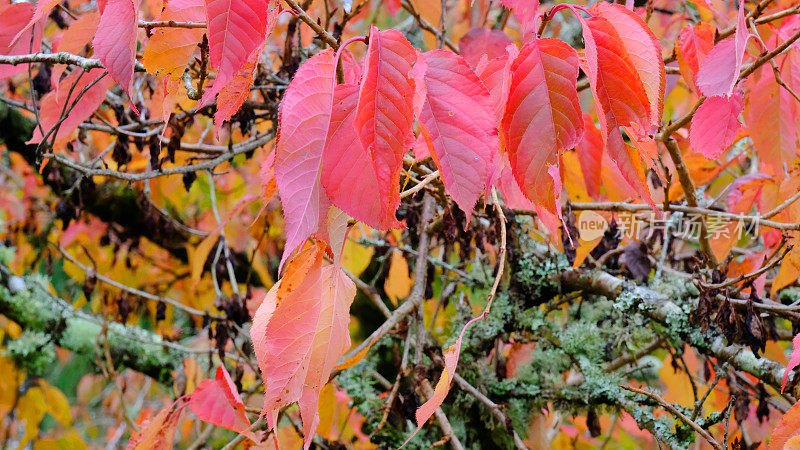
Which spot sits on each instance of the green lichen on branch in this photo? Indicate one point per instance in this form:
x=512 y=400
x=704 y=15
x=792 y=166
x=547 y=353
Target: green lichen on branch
x=26 y=301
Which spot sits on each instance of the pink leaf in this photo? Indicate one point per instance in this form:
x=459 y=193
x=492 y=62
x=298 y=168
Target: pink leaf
x=496 y=76
x=526 y=11
x=115 y=42
x=619 y=97
x=451 y=355
x=720 y=69
x=715 y=124
x=771 y=121
x=236 y=29
x=14 y=17
x=303 y=127
x=331 y=341
x=393 y=6
x=217 y=402
x=73 y=40
x=384 y=114
x=794 y=361
x=299 y=331
x=348 y=173
x=43 y=8
x=542 y=116
x=51 y=105
x=458 y=117
x=481 y=41
x=644 y=51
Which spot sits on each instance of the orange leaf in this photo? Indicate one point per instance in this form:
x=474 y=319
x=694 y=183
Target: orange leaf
x=786 y=430
x=158 y=432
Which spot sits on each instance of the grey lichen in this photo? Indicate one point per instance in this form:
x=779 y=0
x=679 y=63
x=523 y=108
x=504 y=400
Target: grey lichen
x=33 y=351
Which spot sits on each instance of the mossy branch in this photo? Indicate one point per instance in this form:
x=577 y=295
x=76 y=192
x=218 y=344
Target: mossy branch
x=26 y=301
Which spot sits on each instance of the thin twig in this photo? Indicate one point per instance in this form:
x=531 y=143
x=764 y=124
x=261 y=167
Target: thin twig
x=674 y=411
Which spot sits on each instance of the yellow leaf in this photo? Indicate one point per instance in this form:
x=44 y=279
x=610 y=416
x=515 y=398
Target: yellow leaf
x=356 y=257
x=170 y=48
x=30 y=410
x=57 y=403
x=327 y=411
x=398 y=283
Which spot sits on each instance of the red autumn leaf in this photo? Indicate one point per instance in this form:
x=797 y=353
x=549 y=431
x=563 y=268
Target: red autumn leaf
x=384 y=113
x=217 y=402
x=43 y=8
x=715 y=124
x=526 y=11
x=693 y=45
x=458 y=119
x=496 y=76
x=158 y=432
x=480 y=42
x=73 y=40
x=236 y=29
x=348 y=174
x=234 y=94
x=115 y=41
x=393 y=6
x=304 y=117
x=542 y=117
x=644 y=51
x=619 y=96
x=590 y=156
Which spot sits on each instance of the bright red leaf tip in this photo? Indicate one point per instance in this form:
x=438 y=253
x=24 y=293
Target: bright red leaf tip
x=542 y=116
x=458 y=122
x=384 y=113
x=715 y=124
x=115 y=42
